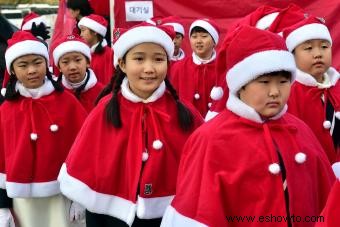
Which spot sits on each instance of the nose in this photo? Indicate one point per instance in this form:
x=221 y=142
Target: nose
x=274 y=90
x=31 y=69
x=317 y=53
x=149 y=67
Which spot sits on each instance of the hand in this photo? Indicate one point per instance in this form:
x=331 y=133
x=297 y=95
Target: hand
x=40 y=31
x=6 y=218
x=77 y=212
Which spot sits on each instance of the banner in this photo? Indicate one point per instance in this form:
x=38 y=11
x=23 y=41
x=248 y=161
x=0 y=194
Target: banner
x=227 y=12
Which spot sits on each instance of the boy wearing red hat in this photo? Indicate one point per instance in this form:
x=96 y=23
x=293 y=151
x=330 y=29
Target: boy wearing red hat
x=253 y=159
x=93 y=29
x=315 y=97
x=194 y=77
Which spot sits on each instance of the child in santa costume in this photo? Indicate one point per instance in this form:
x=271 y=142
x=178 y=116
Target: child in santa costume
x=126 y=175
x=38 y=124
x=194 y=77
x=253 y=159
x=315 y=97
x=179 y=29
x=265 y=17
x=93 y=30
x=73 y=56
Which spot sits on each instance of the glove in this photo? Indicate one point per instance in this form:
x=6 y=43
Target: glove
x=77 y=212
x=6 y=218
x=40 y=31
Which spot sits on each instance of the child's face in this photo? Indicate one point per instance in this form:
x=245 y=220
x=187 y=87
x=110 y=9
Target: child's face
x=30 y=70
x=267 y=94
x=73 y=65
x=88 y=35
x=178 y=42
x=202 y=44
x=145 y=67
x=314 y=57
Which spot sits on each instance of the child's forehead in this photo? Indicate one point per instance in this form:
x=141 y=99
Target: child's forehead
x=72 y=54
x=29 y=57
x=315 y=41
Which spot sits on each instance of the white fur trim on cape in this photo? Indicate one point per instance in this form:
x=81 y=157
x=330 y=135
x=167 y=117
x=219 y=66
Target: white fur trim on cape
x=36 y=93
x=241 y=109
x=93 y=48
x=172 y=218
x=198 y=61
x=70 y=46
x=179 y=56
x=28 y=190
x=93 y=25
x=37 y=21
x=90 y=84
x=308 y=80
x=93 y=201
x=129 y=95
x=2 y=180
x=210 y=115
x=143 y=34
x=258 y=64
x=148 y=208
x=177 y=27
x=24 y=48
x=336 y=169
x=307 y=32
x=207 y=26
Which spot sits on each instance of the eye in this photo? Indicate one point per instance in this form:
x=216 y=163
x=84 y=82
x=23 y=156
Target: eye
x=307 y=48
x=138 y=59
x=160 y=59
x=283 y=81
x=263 y=81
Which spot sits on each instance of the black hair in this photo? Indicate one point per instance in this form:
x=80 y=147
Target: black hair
x=283 y=73
x=84 y=6
x=198 y=29
x=112 y=110
x=99 y=48
x=12 y=94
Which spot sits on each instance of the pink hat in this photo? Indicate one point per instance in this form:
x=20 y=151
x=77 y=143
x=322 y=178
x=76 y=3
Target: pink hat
x=94 y=22
x=254 y=52
x=69 y=44
x=136 y=35
x=307 y=29
x=208 y=25
x=31 y=18
x=175 y=23
x=23 y=43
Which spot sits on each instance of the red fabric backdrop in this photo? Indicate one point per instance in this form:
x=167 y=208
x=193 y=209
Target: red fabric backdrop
x=226 y=12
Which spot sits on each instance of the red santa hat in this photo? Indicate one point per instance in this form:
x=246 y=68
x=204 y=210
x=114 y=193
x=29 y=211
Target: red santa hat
x=70 y=43
x=94 y=22
x=175 y=23
x=307 y=29
x=209 y=25
x=161 y=35
x=23 y=43
x=31 y=18
x=254 y=52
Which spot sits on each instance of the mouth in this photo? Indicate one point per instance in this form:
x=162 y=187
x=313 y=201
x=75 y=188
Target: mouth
x=33 y=78
x=273 y=104
x=148 y=78
x=318 y=63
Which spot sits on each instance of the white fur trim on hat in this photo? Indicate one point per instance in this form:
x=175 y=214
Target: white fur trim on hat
x=307 y=32
x=258 y=64
x=24 y=48
x=177 y=27
x=265 y=22
x=207 y=26
x=93 y=25
x=142 y=34
x=28 y=25
x=70 y=46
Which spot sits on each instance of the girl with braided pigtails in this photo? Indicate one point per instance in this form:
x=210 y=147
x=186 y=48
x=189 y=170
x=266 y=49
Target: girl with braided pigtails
x=126 y=175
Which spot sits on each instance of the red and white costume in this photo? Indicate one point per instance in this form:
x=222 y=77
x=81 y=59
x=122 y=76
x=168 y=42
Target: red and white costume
x=116 y=181
x=102 y=64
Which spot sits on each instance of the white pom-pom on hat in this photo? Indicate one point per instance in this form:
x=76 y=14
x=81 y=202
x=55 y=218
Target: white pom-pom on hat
x=337 y=115
x=54 y=128
x=274 y=168
x=3 y=91
x=145 y=156
x=197 y=96
x=327 y=124
x=216 y=93
x=34 y=136
x=157 y=144
x=300 y=157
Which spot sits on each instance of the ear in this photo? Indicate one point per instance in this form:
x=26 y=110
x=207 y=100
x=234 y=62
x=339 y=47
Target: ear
x=121 y=64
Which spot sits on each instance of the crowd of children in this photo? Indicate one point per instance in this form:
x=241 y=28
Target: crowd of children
x=116 y=137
